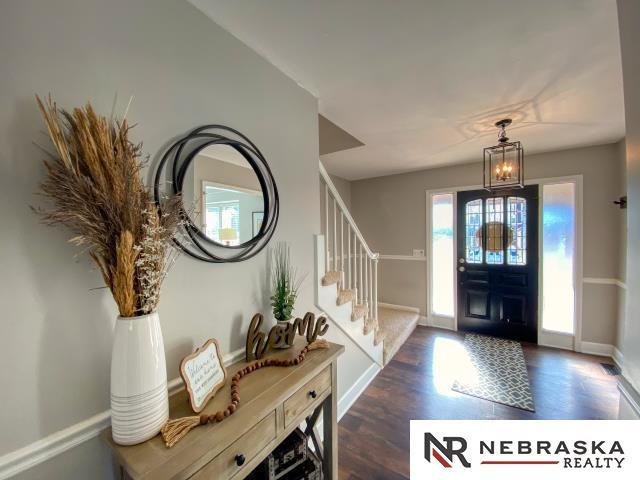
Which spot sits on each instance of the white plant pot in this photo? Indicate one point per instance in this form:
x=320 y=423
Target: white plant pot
x=139 y=398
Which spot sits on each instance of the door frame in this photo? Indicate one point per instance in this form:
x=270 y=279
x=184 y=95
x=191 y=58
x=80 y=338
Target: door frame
x=545 y=337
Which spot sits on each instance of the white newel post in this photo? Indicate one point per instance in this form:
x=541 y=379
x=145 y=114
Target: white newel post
x=366 y=281
x=375 y=290
x=326 y=227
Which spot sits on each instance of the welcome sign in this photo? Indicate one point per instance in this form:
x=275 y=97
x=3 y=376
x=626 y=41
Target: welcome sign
x=524 y=449
x=203 y=374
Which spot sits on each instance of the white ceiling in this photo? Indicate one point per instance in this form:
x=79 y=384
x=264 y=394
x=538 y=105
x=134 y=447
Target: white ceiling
x=421 y=82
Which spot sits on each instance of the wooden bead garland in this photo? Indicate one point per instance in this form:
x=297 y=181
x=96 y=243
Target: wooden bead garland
x=174 y=430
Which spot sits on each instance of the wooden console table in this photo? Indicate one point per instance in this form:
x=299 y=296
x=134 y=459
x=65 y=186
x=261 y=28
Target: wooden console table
x=273 y=402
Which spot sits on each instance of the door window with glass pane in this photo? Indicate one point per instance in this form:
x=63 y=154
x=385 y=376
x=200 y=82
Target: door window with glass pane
x=473 y=231
x=490 y=241
x=494 y=230
x=517 y=228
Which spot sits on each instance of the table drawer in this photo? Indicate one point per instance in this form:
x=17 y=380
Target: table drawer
x=300 y=401
x=247 y=446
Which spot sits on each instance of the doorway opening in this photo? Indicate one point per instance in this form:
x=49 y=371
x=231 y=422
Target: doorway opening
x=507 y=265
x=497 y=256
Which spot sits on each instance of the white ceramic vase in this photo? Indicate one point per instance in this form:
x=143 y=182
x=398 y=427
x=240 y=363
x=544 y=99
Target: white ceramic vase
x=139 y=398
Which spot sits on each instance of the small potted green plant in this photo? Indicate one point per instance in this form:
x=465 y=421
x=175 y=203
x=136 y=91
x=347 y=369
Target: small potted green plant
x=285 y=283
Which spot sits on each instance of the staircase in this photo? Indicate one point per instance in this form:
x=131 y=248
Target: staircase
x=347 y=282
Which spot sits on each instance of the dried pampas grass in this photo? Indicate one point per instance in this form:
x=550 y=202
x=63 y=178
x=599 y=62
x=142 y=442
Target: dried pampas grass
x=95 y=185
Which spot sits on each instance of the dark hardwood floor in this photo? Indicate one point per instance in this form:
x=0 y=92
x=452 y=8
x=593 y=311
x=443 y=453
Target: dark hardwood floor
x=416 y=384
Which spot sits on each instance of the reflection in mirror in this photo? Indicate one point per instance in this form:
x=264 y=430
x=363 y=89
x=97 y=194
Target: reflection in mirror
x=230 y=206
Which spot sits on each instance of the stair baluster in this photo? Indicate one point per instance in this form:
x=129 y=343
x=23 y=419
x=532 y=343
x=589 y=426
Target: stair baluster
x=335 y=235
x=342 y=247
x=348 y=255
x=360 y=262
x=358 y=274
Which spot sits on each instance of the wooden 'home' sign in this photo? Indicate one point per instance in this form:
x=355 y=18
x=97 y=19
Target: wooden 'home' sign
x=203 y=374
x=281 y=335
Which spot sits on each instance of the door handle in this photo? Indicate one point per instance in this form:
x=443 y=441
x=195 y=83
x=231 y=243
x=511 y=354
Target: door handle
x=461 y=260
x=461 y=269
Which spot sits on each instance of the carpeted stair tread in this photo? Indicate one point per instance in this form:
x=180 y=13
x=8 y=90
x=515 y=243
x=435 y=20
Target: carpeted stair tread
x=359 y=311
x=331 y=278
x=379 y=337
x=395 y=327
x=369 y=325
x=346 y=296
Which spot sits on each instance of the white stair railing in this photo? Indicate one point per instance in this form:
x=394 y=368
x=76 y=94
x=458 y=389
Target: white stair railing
x=358 y=264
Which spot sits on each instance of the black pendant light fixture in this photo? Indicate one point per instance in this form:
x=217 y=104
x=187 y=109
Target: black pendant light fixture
x=503 y=164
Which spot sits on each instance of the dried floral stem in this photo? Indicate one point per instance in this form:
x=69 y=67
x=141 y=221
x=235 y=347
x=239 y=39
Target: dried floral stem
x=97 y=192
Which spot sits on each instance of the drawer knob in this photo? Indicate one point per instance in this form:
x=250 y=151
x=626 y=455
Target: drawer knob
x=240 y=459
x=313 y=394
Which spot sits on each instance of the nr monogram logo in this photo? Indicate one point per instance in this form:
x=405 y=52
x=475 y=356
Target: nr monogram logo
x=444 y=453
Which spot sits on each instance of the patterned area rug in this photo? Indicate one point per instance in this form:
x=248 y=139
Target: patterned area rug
x=497 y=372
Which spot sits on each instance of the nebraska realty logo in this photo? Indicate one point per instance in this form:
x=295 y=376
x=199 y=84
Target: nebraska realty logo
x=588 y=449
x=455 y=447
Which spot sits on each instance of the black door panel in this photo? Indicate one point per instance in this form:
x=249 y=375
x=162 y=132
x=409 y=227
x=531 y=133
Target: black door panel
x=498 y=263
x=477 y=304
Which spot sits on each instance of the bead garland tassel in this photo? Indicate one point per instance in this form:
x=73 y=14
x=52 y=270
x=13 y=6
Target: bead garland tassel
x=175 y=430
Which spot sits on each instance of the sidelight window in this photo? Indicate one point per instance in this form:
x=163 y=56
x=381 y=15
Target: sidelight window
x=559 y=258
x=442 y=255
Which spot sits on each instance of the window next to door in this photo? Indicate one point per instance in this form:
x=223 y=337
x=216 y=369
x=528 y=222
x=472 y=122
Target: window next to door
x=558 y=242
x=442 y=255
x=558 y=257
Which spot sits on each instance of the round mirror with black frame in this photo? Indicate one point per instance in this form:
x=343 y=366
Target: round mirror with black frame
x=230 y=199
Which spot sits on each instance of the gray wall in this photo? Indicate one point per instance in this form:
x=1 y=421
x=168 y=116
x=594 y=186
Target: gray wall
x=629 y=17
x=344 y=189
x=183 y=71
x=390 y=211
x=622 y=246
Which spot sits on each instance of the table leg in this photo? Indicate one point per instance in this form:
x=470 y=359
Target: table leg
x=330 y=427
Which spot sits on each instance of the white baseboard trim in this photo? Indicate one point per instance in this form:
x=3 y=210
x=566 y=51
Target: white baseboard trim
x=618 y=357
x=447 y=323
x=551 y=345
x=404 y=308
x=351 y=395
x=349 y=398
x=604 y=281
x=29 y=456
x=423 y=321
x=629 y=395
x=602 y=349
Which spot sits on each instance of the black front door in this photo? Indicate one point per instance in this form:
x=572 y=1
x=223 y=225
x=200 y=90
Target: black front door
x=497 y=267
